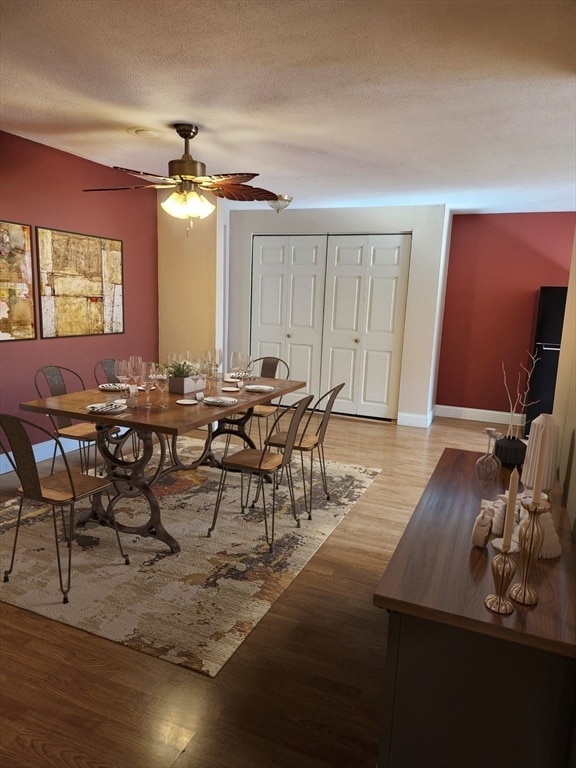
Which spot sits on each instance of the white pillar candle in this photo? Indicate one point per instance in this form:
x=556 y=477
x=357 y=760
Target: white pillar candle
x=537 y=490
x=510 y=511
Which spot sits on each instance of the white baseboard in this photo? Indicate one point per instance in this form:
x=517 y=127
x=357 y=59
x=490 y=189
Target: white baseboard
x=476 y=414
x=415 y=420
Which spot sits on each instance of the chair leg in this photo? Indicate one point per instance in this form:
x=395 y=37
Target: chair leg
x=269 y=533
x=218 y=500
x=64 y=588
x=8 y=571
x=292 y=496
x=322 y=462
x=305 y=492
x=54 y=458
x=112 y=516
x=311 y=484
x=245 y=496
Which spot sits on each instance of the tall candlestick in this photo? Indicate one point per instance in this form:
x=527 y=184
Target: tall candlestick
x=537 y=490
x=510 y=511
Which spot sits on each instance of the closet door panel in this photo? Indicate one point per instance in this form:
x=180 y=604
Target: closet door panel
x=291 y=318
x=341 y=364
x=367 y=276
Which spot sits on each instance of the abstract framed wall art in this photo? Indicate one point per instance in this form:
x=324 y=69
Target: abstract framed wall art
x=17 y=321
x=80 y=284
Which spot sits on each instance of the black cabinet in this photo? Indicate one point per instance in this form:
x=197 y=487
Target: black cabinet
x=551 y=303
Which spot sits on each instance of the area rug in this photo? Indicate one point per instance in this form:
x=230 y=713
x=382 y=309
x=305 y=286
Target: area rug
x=193 y=608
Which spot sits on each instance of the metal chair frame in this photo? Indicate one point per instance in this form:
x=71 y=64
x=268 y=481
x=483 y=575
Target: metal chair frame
x=58 y=490
x=263 y=463
x=269 y=370
x=104 y=371
x=54 y=377
x=312 y=439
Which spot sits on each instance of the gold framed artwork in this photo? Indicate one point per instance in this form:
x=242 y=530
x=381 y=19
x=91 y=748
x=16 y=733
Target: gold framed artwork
x=80 y=284
x=17 y=319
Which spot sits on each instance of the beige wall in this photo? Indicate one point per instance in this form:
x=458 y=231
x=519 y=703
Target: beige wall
x=186 y=284
x=565 y=399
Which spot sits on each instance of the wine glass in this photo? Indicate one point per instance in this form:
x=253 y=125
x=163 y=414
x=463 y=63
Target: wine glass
x=122 y=373
x=488 y=466
x=161 y=379
x=236 y=364
x=248 y=366
x=135 y=369
x=148 y=379
x=216 y=361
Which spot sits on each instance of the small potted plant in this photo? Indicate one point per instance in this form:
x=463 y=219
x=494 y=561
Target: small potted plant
x=180 y=377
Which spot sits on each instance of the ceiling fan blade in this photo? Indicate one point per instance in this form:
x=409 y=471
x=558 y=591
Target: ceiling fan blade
x=140 y=186
x=225 y=178
x=142 y=173
x=240 y=192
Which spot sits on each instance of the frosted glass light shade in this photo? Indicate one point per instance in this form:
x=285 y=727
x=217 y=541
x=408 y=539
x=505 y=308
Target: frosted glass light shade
x=184 y=205
x=281 y=202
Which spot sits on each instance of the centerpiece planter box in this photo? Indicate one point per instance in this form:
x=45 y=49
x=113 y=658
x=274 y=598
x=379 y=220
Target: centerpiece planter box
x=181 y=385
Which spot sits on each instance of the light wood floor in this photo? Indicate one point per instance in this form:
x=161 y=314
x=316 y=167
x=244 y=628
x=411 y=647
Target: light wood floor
x=303 y=691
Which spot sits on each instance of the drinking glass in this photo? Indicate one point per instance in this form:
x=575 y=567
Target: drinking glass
x=216 y=361
x=161 y=379
x=148 y=379
x=122 y=373
x=135 y=369
x=488 y=466
x=236 y=360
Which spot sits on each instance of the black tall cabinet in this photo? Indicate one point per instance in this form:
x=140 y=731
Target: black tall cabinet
x=551 y=303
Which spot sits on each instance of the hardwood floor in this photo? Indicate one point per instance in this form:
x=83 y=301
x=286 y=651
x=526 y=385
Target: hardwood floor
x=303 y=691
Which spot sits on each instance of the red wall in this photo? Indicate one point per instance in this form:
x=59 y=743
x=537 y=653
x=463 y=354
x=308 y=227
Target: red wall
x=41 y=186
x=497 y=264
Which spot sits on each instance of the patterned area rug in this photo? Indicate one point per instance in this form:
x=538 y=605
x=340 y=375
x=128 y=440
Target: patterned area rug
x=193 y=608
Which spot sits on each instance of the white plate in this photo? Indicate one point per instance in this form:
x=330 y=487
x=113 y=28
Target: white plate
x=230 y=389
x=143 y=389
x=220 y=401
x=187 y=402
x=111 y=387
x=258 y=388
x=107 y=407
x=231 y=378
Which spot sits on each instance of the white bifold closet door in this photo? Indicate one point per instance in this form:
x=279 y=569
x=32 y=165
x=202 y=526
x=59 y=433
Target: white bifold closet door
x=333 y=307
x=288 y=304
x=365 y=307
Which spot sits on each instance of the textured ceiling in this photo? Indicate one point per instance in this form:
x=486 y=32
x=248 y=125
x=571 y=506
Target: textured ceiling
x=335 y=102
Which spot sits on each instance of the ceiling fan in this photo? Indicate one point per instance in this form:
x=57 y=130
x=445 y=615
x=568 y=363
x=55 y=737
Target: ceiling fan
x=189 y=176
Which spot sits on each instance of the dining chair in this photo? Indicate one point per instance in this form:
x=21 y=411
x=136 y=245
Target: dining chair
x=264 y=464
x=54 y=380
x=311 y=439
x=58 y=490
x=104 y=371
x=269 y=368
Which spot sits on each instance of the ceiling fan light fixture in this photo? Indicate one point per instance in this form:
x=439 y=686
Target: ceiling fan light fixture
x=187 y=205
x=281 y=202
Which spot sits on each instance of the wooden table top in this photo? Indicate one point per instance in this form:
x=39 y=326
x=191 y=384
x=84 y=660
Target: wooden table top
x=173 y=420
x=437 y=574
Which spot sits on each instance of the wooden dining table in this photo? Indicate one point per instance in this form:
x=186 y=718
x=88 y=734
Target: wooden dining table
x=127 y=439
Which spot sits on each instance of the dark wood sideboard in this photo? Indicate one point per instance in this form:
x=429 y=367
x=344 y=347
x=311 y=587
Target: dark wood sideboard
x=464 y=687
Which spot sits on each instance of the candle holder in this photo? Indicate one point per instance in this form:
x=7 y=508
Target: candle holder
x=503 y=570
x=531 y=538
